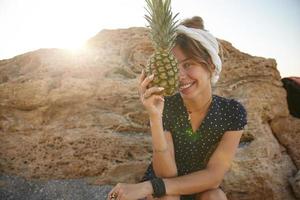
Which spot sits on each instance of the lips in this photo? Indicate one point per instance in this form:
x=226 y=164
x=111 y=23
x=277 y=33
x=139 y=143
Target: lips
x=185 y=85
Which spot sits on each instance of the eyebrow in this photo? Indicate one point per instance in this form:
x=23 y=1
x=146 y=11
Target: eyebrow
x=186 y=59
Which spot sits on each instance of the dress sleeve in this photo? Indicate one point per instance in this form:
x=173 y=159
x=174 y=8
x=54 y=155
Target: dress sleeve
x=238 y=116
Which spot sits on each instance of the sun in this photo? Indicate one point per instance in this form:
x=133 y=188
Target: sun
x=33 y=24
x=57 y=24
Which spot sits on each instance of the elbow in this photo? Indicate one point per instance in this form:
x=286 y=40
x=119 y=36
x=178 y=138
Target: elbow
x=216 y=183
x=218 y=177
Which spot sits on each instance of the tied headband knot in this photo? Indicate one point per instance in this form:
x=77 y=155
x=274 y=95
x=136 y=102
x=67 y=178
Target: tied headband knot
x=209 y=42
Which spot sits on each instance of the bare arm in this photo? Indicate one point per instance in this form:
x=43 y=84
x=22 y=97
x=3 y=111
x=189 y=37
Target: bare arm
x=212 y=176
x=163 y=150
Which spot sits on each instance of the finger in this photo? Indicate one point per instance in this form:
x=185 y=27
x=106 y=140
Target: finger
x=112 y=194
x=142 y=77
x=160 y=98
x=152 y=90
x=155 y=98
x=145 y=83
x=109 y=194
x=120 y=196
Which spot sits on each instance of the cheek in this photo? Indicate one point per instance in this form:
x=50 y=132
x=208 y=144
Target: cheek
x=199 y=75
x=195 y=73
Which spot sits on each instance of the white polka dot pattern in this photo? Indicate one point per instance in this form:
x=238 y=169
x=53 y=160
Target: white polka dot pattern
x=193 y=149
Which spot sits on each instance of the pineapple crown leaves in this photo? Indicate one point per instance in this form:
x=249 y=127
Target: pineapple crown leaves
x=162 y=23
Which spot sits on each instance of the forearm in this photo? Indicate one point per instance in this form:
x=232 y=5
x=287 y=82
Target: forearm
x=163 y=163
x=195 y=182
x=192 y=183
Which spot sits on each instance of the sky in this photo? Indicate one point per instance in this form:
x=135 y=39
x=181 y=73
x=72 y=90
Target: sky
x=266 y=28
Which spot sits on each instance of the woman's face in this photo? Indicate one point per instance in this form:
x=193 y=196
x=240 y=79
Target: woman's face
x=194 y=78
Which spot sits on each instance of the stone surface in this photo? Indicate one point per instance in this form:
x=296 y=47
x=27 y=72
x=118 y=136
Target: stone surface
x=287 y=131
x=295 y=182
x=17 y=188
x=71 y=115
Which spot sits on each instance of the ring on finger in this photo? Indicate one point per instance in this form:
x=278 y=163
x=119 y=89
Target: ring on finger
x=113 y=196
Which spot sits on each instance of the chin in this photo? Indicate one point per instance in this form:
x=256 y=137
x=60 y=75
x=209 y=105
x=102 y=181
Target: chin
x=191 y=92
x=188 y=96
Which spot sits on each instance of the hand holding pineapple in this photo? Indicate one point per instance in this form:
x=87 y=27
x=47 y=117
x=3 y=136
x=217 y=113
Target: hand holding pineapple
x=152 y=101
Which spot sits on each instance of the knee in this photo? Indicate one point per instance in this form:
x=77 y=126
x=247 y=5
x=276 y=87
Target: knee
x=149 y=197
x=214 y=194
x=170 y=198
x=164 y=198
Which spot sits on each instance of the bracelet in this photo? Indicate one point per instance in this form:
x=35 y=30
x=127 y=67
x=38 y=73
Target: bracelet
x=159 y=188
x=160 y=151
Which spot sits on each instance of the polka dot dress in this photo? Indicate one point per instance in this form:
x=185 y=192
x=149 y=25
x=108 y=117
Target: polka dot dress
x=193 y=149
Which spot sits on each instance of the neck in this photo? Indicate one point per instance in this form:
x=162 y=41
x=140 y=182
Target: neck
x=199 y=101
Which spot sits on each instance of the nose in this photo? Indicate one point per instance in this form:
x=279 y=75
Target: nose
x=182 y=73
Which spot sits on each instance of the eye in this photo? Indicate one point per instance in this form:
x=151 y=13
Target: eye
x=187 y=65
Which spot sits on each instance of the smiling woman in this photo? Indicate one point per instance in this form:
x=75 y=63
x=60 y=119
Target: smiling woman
x=194 y=132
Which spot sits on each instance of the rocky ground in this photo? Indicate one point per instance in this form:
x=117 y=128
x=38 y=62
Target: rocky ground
x=17 y=188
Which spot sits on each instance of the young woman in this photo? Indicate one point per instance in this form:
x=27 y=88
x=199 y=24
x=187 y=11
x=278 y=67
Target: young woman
x=195 y=133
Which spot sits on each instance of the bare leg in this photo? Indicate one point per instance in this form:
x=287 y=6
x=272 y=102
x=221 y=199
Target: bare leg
x=213 y=194
x=164 y=198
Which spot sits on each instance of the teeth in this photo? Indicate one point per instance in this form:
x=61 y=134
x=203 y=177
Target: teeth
x=185 y=86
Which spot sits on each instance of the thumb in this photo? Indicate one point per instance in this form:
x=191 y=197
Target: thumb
x=159 y=98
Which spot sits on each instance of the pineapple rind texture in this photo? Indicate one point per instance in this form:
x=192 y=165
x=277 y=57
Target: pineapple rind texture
x=164 y=67
x=162 y=63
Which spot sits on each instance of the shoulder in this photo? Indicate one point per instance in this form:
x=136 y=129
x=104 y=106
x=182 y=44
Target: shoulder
x=229 y=104
x=233 y=112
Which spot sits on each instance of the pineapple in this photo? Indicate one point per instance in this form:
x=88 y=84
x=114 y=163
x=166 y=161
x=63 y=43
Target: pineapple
x=162 y=34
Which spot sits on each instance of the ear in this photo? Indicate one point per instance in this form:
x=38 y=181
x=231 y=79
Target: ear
x=212 y=69
x=211 y=65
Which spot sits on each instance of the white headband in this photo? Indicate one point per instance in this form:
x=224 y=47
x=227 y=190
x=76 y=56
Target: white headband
x=209 y=42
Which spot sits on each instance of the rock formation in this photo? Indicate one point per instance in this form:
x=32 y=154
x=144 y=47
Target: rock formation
x=68 y=115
